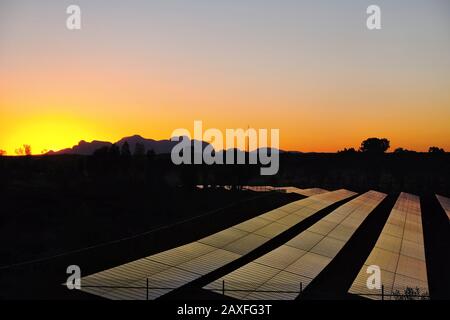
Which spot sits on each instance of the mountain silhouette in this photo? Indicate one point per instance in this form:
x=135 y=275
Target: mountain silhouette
x=158 y=146
x=83 y=148
x=88 y=148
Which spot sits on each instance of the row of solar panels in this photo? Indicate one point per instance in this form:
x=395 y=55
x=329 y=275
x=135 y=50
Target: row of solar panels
x=305 y=192
x=177 y=267
x=399 y=253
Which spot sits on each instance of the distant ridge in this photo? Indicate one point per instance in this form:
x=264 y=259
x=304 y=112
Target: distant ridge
x=88 y=148
x=158 y=146
x=83 y=148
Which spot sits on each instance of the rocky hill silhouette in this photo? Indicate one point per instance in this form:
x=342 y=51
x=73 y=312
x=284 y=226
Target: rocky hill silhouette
x=88 y=148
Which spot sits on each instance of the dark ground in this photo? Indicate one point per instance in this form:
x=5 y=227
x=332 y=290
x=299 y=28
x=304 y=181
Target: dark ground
x=41 y=279
x=59 y=204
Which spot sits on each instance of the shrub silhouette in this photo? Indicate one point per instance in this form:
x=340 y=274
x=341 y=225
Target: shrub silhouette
x=410 y=294
x=347 y=151
x=24 y=151
x=436 y=150
x=27 y=149
x=404 y=151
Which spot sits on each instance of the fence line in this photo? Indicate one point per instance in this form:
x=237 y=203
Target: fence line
x=223 y=290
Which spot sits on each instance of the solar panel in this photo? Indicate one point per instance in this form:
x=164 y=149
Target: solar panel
x=290 y=220
x=309 y=265
x=222 y=238
x=322 y=227
x=359 y=284
x=413 y=250
x=252 y=224
x=305 y=240
x=399 y=252
x=252 y=276
x=246 y=244
x=302 y=258
x=388 y=242
x=385 y=259
x=305 y=192
x=312 y=191
x=281 y=257
x=176 y=267
x=328 y=247
x=209 y=262
x=274 y=215
x=283 y=286
x=182 y=254
x=341 y=232
x=271 y=230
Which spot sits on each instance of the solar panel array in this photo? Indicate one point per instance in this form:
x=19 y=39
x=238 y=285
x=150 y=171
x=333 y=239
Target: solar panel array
x=277 y=275
x=399 y=252
x=305 y=192
x=174 y=268
x=445 y=203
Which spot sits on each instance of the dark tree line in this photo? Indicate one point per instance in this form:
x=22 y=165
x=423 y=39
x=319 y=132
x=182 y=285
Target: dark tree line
x=368 y=168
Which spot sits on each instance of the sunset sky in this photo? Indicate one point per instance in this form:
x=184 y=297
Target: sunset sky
x=309 y=68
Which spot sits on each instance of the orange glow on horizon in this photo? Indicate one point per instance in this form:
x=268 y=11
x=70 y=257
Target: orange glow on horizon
x=56 y=132
x=45 y=133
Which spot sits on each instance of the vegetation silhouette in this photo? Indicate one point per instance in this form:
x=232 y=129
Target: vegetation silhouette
x=125 y=150
x=57 y=203
x=347 y=151
x=401 y=150
x=410 y=294
x=24 y=151
x=139 y=149
x=375 y=145
x=436 y=150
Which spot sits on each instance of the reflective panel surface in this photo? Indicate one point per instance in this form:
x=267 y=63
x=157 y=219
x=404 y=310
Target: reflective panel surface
x=296 y=263
x=176 y=267
x=399 y=253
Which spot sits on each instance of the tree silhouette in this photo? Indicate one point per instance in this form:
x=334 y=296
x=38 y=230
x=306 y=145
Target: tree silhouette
x=19 y=151
x=139 y=149
x=347 y=151
x=23 y=151
x=27 y=149
x=114 y=150
x=436 y=150
x=402 y=150
x=375 y=145
x=102 y=151
x=125 y=150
